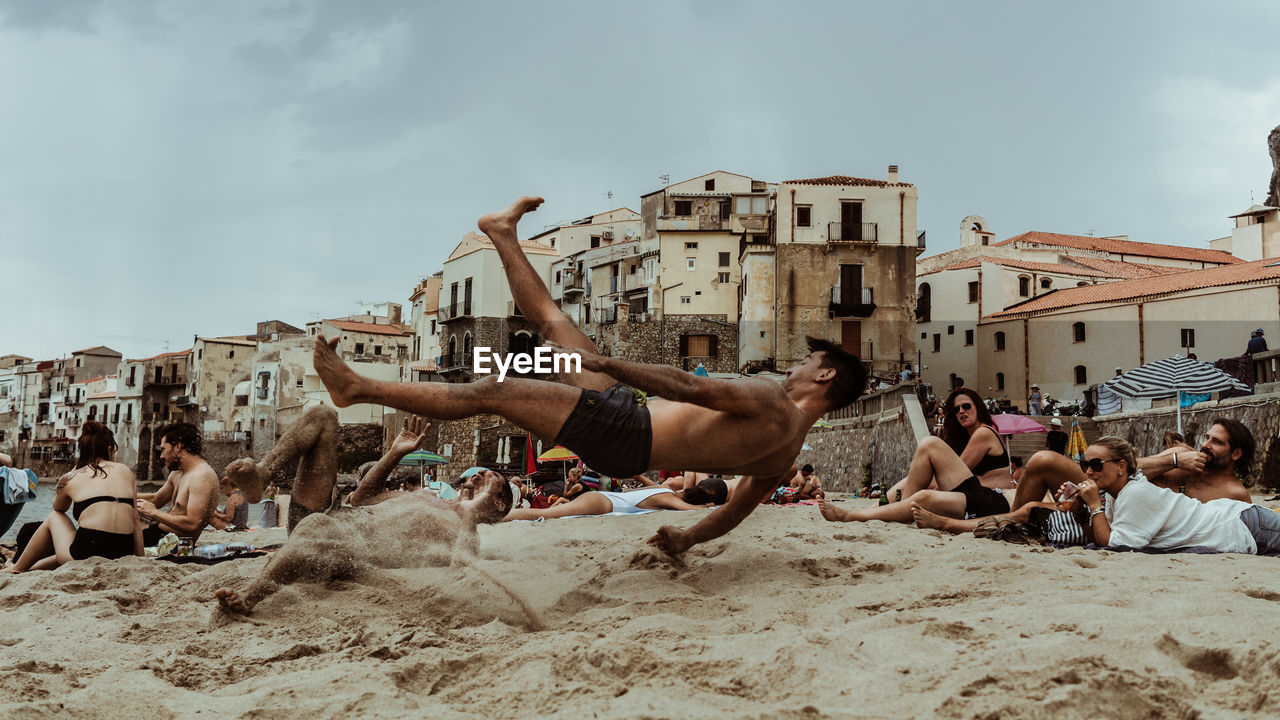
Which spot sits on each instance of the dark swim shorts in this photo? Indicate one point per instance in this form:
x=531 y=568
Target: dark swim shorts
x=610 y=431
x=980 y=500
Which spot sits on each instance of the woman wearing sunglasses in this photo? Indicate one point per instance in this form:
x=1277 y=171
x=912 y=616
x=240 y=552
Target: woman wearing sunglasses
x=1147 y=516
x=967 y=463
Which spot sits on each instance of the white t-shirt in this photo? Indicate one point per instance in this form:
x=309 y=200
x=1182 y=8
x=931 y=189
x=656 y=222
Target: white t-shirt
x=1145 y=515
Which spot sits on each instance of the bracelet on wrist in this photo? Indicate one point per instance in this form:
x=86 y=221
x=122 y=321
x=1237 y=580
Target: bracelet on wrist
x=1098 y=511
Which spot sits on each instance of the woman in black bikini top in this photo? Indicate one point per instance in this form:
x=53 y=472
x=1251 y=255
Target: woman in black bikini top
x=100 y=494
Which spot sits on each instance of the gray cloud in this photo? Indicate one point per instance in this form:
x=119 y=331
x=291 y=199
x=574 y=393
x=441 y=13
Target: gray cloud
x=173 y=169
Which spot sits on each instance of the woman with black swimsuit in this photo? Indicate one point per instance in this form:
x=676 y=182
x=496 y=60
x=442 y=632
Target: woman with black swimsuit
x=100 y=494
x=967 y=462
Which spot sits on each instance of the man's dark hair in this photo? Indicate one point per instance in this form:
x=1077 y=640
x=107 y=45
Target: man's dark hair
x=851 y=377
x=1015 y=461
x=184 y=434
x=1240 y=437
x=712 y=491
x=807 y=468
x=503 y=500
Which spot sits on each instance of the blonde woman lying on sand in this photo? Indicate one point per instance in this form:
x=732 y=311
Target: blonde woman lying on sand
x=968 y=462
x=100 y=494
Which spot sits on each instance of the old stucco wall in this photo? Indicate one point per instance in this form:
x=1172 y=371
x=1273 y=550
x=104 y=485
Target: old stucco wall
x=1260 y=413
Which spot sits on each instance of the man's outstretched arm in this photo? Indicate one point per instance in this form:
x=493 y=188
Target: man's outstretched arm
x=671 y=383
x=747 y=496
x=374 y=483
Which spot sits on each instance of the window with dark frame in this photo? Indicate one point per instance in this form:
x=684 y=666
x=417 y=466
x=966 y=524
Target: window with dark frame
x=968 y=337
x=804 y=215
x=1077 y=332
x=937 y=342
x=1046 y=283
x=683 y=208
x=723 y=277
x=1081 y=375
x=725 y=209
x=724 y=259
x=1024 y=286
x=709 y=185
x=1000 y=340
x=595 y=241
x=951 y=329
x=999 y=381
x=1188 y=338
x=973 y=291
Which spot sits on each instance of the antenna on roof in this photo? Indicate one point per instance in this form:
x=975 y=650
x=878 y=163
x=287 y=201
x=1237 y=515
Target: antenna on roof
x=610 y=196
x=666 y=179
x=1091 y=232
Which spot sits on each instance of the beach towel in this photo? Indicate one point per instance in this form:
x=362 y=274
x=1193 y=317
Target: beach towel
x=19 y=485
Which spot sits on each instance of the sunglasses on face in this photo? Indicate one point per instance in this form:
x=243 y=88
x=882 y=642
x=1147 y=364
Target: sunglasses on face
x=962 y=406
x=1094 y=464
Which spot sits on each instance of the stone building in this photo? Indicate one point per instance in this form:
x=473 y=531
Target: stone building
x=477 y=308
x=587 y=247
x=839 y=265
x=1069 y=340
x=955 y=289
x=219 y=366
x=376 y=346
x=152 y=393
x=424 y=322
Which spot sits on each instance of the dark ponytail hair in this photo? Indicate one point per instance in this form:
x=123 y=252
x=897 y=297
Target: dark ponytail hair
x=96 y=444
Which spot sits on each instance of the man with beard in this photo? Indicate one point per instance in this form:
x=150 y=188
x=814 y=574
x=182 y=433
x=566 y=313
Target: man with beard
x=1214 y=471
x=192 y=486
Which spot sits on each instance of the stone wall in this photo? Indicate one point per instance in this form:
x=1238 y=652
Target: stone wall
x=875 y=447
x=1260 y=413
x=657 y=340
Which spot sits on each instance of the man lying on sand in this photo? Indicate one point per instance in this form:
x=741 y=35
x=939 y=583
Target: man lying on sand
x=341 y=544
x=1212 y=473
x=754 y=427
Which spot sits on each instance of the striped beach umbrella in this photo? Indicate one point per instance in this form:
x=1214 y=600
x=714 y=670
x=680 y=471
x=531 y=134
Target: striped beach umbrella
x=1173 y=376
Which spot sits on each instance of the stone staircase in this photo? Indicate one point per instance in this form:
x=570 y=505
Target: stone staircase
x=1028 y=444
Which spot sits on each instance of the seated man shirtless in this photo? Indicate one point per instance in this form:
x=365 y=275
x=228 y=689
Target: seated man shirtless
x=808 y=486
x=753 y=427
x=350 y=541
x=1211 y=473
x=192 y=487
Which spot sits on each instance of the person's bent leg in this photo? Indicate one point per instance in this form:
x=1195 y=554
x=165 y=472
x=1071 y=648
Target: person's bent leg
x=531 y=294
x=62 y=532
x=321 y=549
x=666 y=501
x=538 y=406
x=312 y=440
x=1045 y=472
x=590 y=503
x=934 y=460
x=40 y=546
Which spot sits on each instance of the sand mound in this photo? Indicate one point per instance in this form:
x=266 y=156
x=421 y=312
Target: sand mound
x=787 y=617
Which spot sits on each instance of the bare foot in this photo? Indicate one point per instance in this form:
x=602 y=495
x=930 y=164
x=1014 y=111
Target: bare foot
x=501 y=225
x=341 y=381
x=246 y=475
x=831 y=512
x=926 y=519
x=232 y=602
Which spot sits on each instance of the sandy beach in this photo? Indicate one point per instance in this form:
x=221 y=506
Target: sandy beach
x=788 y=616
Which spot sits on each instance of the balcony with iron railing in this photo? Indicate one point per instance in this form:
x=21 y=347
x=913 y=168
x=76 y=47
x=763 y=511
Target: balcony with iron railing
x=454 y=311
x=452 y=362
x=852 y=232
x=855 y=302
x=573 y=281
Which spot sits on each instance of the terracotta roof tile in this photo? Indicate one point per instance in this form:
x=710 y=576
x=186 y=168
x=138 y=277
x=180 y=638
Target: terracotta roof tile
x=97 y=347
x=1123 y=269
x=163 y=355
x=847 y=180
x=1024 y=265
x=1123 y=247
x=369 y=328
x=1131 y=290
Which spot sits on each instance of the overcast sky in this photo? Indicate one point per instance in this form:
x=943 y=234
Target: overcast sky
x=178 y=168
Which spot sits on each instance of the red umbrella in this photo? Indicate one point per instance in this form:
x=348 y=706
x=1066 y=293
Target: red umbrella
x=530 y=462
